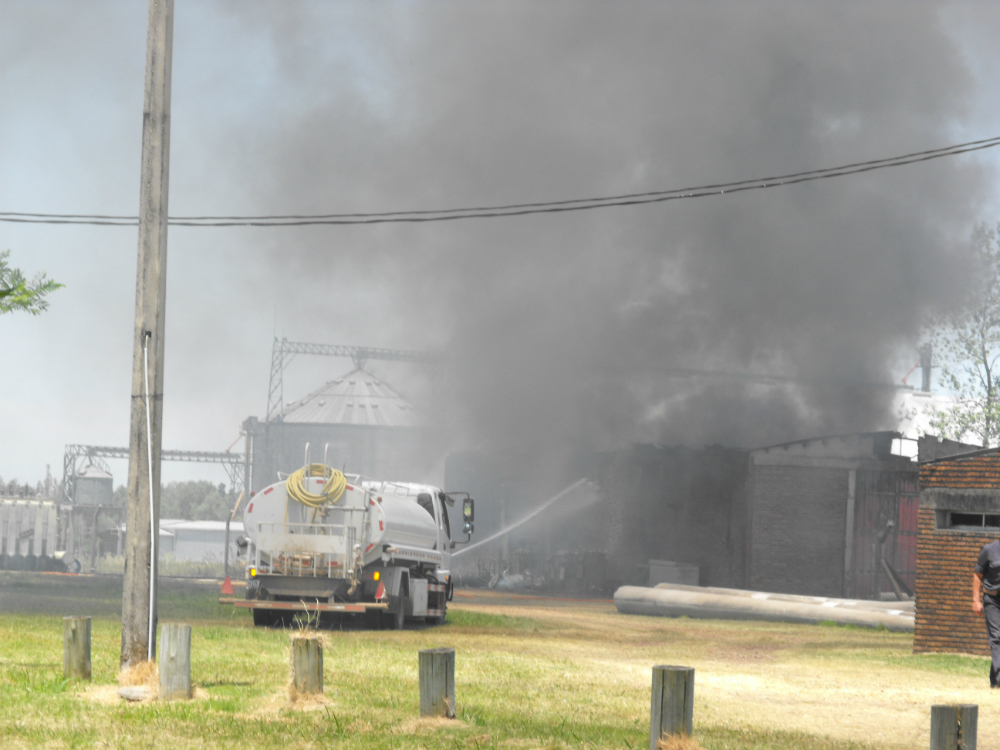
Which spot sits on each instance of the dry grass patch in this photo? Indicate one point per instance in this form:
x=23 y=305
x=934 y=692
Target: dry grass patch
x=143 y=674
x=425 y=724
x=678 y=742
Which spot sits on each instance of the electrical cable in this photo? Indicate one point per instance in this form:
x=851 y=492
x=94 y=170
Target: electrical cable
x=514 y=209
x=150 y=648
x=332 y=490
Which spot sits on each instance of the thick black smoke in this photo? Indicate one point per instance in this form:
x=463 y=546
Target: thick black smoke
x=577 y=330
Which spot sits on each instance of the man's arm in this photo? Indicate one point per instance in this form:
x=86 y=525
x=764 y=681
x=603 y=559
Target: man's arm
x=977 y=593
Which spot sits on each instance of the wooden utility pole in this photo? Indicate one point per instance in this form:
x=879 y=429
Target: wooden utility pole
x=145 y=430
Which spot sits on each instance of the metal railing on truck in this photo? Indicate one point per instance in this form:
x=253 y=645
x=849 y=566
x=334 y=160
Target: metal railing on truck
x=303 y=561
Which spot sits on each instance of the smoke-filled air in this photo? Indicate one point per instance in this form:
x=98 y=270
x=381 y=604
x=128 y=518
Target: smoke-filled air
x=744 y=319
x=583 y=329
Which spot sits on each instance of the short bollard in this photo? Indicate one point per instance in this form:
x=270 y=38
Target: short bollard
x=954 y=727
x=671 y=710
x=76 y=648
x=307 y=665
x=437 y=682
x=175 y=661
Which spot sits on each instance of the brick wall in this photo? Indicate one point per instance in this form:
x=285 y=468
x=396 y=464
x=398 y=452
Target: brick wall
x=945 y=558
x=798 y=526
x=945 y=621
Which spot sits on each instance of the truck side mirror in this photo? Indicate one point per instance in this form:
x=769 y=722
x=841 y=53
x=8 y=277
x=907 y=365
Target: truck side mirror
x=468 y=510
x=468 y=528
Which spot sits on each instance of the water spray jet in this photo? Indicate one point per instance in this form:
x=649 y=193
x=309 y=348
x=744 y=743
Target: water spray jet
x=554 y=499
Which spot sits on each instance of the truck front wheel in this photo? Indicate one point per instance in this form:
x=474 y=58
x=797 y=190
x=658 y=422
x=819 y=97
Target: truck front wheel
x=441 y=618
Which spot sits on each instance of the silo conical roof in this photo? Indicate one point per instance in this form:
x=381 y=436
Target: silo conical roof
x=357 y=398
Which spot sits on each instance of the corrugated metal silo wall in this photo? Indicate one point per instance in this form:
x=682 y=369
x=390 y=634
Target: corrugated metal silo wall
x=390 y=453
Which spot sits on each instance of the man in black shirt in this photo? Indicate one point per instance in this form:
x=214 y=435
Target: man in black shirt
x=986 y=600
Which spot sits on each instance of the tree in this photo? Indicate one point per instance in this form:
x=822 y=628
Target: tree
x=968 y=347
x=17 y=293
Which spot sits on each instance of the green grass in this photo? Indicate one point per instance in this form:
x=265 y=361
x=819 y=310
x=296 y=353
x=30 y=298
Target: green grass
x=470 y=619
x=534 y=677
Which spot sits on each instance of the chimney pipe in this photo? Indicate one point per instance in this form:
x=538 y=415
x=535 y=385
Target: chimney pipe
x=925 y=368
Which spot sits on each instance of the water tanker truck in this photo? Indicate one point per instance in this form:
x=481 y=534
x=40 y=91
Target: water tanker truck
x=333 y=544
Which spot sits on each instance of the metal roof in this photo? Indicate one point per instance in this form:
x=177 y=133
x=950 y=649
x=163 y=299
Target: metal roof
x=357 y=398
x=93 y=472
x=170 y=526
x=177 y=524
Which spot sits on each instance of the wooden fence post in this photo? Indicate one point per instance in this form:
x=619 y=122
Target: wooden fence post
x=76 y=647
x=671 y=709
x=307 y=664
x=954 y=727
x=175 y=661
x=437 y=682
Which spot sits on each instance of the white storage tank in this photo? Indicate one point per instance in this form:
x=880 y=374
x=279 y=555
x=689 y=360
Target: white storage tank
x=93 y=486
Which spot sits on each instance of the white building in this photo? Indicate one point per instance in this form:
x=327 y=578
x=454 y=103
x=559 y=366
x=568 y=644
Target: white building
x=198 y=541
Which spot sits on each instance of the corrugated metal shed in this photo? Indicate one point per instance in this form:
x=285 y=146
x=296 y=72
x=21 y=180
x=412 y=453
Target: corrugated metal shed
x=357 y=398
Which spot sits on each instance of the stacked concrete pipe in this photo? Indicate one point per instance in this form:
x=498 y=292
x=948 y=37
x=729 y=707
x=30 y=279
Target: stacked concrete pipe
x=674 y=600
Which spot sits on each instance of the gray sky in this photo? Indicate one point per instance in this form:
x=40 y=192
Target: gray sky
x=561 y=328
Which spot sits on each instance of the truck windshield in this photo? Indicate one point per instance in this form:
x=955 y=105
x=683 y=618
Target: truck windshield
x=444 y=514
x=425 y=501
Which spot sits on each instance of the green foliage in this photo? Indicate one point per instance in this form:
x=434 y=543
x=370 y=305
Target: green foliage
x=17 y=293
x=967 y=344
x=195 y=501
x=192 y=500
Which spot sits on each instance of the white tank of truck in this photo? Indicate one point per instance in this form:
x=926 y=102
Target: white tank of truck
x=327 y=543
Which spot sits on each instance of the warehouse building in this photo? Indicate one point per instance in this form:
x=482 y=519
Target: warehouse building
x=678 y=504
x=824 y=513
x=833 y=516
x=198 y=541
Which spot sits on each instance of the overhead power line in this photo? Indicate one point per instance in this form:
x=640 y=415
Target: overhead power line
x=514 y=209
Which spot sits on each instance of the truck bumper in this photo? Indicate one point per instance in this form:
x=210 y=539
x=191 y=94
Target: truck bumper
x=304 y=606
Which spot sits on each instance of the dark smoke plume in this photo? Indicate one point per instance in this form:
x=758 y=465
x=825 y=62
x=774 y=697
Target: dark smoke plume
x=577 y=329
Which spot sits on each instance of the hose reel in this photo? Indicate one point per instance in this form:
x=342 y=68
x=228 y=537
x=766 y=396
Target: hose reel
x=331 y=492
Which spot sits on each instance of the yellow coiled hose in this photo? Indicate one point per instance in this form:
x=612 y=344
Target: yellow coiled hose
x=332 y=491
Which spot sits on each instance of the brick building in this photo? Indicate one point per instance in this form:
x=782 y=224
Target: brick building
x=680 y=504
x=823 y=513
x=959 y=513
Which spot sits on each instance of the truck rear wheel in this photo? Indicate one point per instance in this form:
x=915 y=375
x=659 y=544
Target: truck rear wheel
x=262 y=618
x=268 y=618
